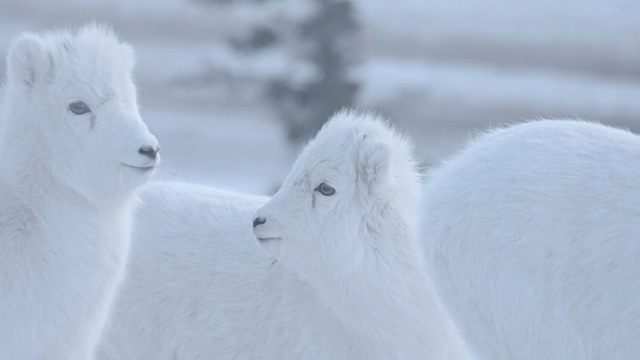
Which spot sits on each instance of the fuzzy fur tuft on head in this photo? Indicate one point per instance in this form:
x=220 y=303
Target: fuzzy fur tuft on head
x=385 y=160
x=35 y=58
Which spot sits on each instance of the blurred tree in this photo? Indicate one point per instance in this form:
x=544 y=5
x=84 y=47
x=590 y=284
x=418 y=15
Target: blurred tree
x=298 y=53
x=261 y=37
x=327 y=39
x=316 y=38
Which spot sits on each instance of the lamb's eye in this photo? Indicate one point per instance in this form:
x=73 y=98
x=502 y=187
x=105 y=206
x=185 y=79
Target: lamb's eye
x=79 y=108
x=325 y=189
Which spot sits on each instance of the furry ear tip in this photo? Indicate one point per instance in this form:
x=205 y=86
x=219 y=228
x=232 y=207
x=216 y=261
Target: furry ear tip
x=25 y=54
x=129 y=51
x=25 y=43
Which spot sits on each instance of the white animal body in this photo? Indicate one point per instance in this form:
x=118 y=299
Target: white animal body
x=73 y=151
x=532 y=235
x=344 y=278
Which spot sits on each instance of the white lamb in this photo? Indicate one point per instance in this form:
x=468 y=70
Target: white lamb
x=533 y=237
x=349 y=281
x=74 y=149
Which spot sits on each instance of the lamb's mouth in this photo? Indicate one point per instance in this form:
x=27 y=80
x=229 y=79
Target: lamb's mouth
x=265 y=239
x=140 y=168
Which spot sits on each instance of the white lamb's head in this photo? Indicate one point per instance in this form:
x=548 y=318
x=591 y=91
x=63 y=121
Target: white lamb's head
x=76 y=98
x=351 y=192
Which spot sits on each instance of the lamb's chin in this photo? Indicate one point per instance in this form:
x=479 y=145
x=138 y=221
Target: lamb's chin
x=271 y=246
x=136 y=176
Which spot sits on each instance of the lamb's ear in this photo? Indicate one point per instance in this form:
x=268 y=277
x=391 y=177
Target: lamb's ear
x=128 y=57
x=27 y=62
x=375 y=163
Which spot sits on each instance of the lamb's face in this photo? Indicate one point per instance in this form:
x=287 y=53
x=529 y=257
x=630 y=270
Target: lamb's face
x=317 y=222
x=82 y=101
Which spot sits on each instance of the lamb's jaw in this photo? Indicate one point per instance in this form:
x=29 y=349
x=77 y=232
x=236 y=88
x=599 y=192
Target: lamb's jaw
x=265 y=239
x=140 y=168
x=271 y=246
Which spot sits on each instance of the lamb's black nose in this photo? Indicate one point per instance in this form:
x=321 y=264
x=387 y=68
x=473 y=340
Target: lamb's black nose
x=149 y=152
x=259 y=221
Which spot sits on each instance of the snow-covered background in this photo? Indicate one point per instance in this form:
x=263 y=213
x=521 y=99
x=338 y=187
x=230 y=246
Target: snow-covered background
x=440 y=69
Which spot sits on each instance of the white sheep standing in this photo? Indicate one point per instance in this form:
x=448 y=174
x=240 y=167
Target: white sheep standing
x=73 y=151
x=349 y=280
x=532 y=235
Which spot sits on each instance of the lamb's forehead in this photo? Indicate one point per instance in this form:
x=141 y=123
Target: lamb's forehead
x=94 y=52
x=338 y=144
x=333 y=146
x=350 y=129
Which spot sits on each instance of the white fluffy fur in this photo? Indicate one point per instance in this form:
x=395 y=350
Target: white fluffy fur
x=66 y=195
x=348 y=283
x=533 y=237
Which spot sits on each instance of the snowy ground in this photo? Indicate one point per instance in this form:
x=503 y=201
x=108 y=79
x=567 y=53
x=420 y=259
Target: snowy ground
x=441 y=69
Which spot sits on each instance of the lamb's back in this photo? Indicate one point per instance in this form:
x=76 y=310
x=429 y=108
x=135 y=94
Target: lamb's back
x=532 y=235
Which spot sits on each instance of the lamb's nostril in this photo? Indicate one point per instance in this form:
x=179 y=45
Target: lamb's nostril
x=259 y=221
x=149 y=152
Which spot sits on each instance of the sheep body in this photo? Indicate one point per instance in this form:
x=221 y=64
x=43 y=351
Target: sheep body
x=70 y=165
x=532 y=237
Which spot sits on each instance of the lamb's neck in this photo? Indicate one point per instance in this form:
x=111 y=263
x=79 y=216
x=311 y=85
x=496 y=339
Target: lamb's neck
x=20 y=140
x=23 y=164
x=393 y=305
x=25 y=170
x=36 y=190
x=28 y=184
